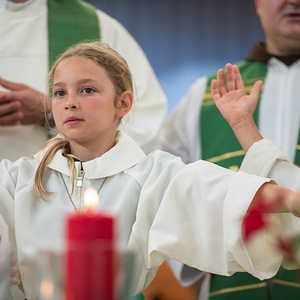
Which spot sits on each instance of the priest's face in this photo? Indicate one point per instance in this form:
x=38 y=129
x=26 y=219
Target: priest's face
x=280 y=20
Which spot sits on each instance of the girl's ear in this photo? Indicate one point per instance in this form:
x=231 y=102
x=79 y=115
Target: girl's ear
x=124 y=104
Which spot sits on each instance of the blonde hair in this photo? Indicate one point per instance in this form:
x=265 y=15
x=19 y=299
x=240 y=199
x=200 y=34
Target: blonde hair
x=118 y=72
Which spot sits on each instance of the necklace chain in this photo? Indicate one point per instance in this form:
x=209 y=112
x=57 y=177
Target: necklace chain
x=69 y=195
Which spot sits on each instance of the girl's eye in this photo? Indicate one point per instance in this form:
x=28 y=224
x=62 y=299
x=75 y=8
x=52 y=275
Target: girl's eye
x=88 y=90
x=59 y=94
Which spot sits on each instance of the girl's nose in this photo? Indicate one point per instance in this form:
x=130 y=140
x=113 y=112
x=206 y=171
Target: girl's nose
x=71 y=102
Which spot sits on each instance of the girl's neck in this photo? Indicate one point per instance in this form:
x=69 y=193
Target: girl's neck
x=86 y=153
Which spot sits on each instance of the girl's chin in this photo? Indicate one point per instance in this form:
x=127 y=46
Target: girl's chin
x=75 y=137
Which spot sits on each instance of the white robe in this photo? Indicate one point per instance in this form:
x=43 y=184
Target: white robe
x=24 y=59
x=190 y=213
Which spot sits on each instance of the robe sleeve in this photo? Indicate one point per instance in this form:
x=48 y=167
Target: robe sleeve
x=198 y=223
x=264 y=158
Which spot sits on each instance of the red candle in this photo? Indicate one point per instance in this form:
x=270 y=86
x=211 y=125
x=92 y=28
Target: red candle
x=90 y=256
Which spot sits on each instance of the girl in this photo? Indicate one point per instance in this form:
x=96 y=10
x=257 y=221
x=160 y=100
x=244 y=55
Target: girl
x=164 y=209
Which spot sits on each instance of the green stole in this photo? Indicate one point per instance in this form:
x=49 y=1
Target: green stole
x=220 y=146
x=70 y=22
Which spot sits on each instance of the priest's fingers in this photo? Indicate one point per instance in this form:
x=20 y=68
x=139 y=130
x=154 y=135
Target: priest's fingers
x=220 y=82
x=229 y=78
x=256 y=89
x=10 y=85
x=215 y=91
x=237 y=77
x=13 y=279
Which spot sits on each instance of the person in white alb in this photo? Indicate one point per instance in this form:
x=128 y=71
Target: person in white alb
x=32 y=32
x=25 y=61
x=196 y=130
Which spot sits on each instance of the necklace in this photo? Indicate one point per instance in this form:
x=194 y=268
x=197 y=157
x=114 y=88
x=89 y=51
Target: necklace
x=69 y=195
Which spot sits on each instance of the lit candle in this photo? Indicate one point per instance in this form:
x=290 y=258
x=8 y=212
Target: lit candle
x=90 y=255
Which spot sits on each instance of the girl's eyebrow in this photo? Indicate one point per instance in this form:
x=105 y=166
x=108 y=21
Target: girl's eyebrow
x=82 y=81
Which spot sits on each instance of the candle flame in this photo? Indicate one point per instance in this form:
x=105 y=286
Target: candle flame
x=47 y=288
x=90 y=198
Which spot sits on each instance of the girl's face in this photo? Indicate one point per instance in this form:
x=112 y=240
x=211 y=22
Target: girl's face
x=83 y=104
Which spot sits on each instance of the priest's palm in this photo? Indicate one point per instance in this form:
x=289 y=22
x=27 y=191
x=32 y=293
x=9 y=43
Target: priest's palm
x=231 y=98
